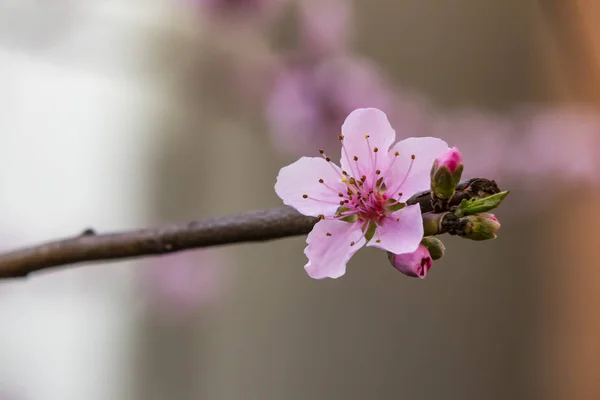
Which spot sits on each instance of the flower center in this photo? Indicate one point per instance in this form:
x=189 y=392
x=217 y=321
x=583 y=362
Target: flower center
x=367 y=200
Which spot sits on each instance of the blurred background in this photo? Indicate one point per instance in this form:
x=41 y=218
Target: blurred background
x=117 y=114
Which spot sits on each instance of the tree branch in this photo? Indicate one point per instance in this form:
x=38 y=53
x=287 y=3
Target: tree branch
x=247 y=227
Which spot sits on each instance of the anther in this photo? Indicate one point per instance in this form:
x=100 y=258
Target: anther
x=367 y=136
x=412 y=157
x=351 y=243
x=305 y=196
x=378 y=172
x=346 y=201
x=328 y=234
x=355 y=158
x=378 y=241
x=344 y=173
x=327 y=159
x=341 y=202
x=400 y=194
x=397 y=153
x=375 y=149
x=352 y=181
x=341 y=194
x=321 y=151
x=321 y=216
x=363 y=178
x=321 y=181
x=341 y=137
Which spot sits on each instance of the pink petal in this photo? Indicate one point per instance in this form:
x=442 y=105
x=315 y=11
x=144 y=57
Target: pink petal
x=410 y=179
x=401 y=232
x=360 y=123
x=302 y=178
x=328 y=254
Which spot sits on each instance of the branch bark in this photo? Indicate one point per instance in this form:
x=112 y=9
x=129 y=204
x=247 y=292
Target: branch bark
x=253 y=226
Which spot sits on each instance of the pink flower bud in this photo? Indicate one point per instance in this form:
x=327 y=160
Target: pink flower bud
x=482 y=226
x=451 y=159
x=415 y=264
x=445 y=173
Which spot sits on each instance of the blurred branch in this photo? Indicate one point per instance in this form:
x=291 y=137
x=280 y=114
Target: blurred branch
x=256 y=226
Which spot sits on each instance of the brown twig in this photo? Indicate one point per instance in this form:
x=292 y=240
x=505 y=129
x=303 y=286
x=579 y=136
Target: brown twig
x=248 y=227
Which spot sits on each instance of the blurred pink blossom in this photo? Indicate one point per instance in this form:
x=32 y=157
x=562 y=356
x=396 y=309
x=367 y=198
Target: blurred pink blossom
x=561 y=143
x=310 y=100
x=324 y=26
x=181 y=283
x=238 y=10
x=485 y=140
x=526 y=145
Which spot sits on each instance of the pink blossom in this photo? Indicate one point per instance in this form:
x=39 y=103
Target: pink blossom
x=415 y=264
x=451 y=159
x=363 y=201
x=309 y=101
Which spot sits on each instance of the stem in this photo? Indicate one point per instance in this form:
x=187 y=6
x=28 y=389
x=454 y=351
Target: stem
x=253 y=226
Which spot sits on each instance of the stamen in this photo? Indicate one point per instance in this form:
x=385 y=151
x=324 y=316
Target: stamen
x=341 y=137
x=305 y=196
x=396 y=154
x=329 y=161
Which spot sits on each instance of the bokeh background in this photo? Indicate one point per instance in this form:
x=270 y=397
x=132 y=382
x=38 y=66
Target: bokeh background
x=117 y=114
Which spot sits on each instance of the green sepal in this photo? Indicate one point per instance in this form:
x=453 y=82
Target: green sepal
x=395 y=206
x=442 y=183
x=370 y=231
x=476 y=206
x=350 y=218
x=435 y=246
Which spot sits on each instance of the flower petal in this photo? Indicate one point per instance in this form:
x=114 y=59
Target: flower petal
x=328 y=254
x=401 y=232
x=410 y=179
x=372 y=152
x=302 y=179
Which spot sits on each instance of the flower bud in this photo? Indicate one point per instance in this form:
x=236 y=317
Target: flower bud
x=435 y=246
x=481 y=227
x=445 y=173
x=415 y=264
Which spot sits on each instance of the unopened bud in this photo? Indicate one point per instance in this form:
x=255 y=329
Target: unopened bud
x=445 y=173
x=481 y=227
x=415 y=264
x=435 y=246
